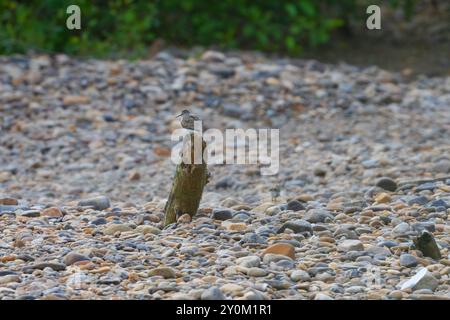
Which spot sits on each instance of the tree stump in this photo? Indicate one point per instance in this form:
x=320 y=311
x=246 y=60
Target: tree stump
x=189 y=180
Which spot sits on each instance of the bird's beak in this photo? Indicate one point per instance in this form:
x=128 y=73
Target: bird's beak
x=179 y=115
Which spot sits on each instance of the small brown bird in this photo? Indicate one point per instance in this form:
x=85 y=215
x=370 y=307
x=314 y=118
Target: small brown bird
x=187 y=120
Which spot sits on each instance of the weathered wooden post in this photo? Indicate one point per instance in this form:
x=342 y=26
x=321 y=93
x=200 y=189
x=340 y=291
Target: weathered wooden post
x=189 y=181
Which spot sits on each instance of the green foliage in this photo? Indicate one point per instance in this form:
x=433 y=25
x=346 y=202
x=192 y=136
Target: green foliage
x=108 y=28
x=261 y=25
x=127 y=27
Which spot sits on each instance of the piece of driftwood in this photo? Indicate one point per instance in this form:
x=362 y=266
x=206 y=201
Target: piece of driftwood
x=189 y=180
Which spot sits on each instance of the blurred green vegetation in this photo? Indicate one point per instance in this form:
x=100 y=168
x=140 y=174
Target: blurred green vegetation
x=127 y=27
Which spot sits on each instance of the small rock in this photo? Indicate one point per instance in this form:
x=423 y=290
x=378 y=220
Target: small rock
x=420 y=200
x=426 y=186
x=99 y=221
x=281 y=249
x=134 y=175
x=71 y=100
x=231 y=288
x=52 y=265
x=225 y=182
x=383 y=198
x=9 y=278
x=9 y=202
x=110 y=281
x=212 y=293
x=232 y=110
x=295 y=205
x=74 y=257
x=396 y=294
x=256 y=272
x=271 y=257
x=254 y=295
x=222 y=214
x=8 y=209
x=236 y=227
x=273 y=210
x=213 y=56
x=386 y=184
x=298 y=226
x=420 y=226
x=184 y=218
x=300 y=275
x=422 y=280
x=165 y=272
x=112 y=229
x=320 y=171
x=439 y=203
x=351 y=245
x=401 y=228
x=249 y=261
x=318 y=216
x=408 y=260
x=30 y=213
x=322 y=296
x=145 y=229
x=52 y=212
x=99 y=203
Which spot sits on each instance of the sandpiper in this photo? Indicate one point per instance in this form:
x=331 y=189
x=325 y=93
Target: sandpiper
x=187 y=120
x=275 y=192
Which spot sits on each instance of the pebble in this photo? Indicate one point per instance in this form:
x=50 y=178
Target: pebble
x=146 y=229
x=52 y=212
x=386 y=184
x=231 y=288
x=74 y=257
x=272 y=257
x=30 y=213
x=249 y=261
x=9 y=278
x=322 y=296
x=9 y=201
x=165 y=272
x=112 y=229
x=318 y=216
x=351 y=245
x=212 y=293
x=98 y=203
x=299 y=275
x=295 y=205
x=423 y=279
x=298 y=226
x=408 y=260
x=222 y=214
x=284 y=249
x=99 y=221
x=51 y=265
x=184 y=218
x=256 y=272
x=401 y=228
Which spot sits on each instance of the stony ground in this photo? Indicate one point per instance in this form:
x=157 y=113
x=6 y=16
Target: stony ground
x=85 y=172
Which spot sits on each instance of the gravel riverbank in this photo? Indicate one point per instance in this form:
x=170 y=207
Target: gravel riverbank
x=85 y=171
